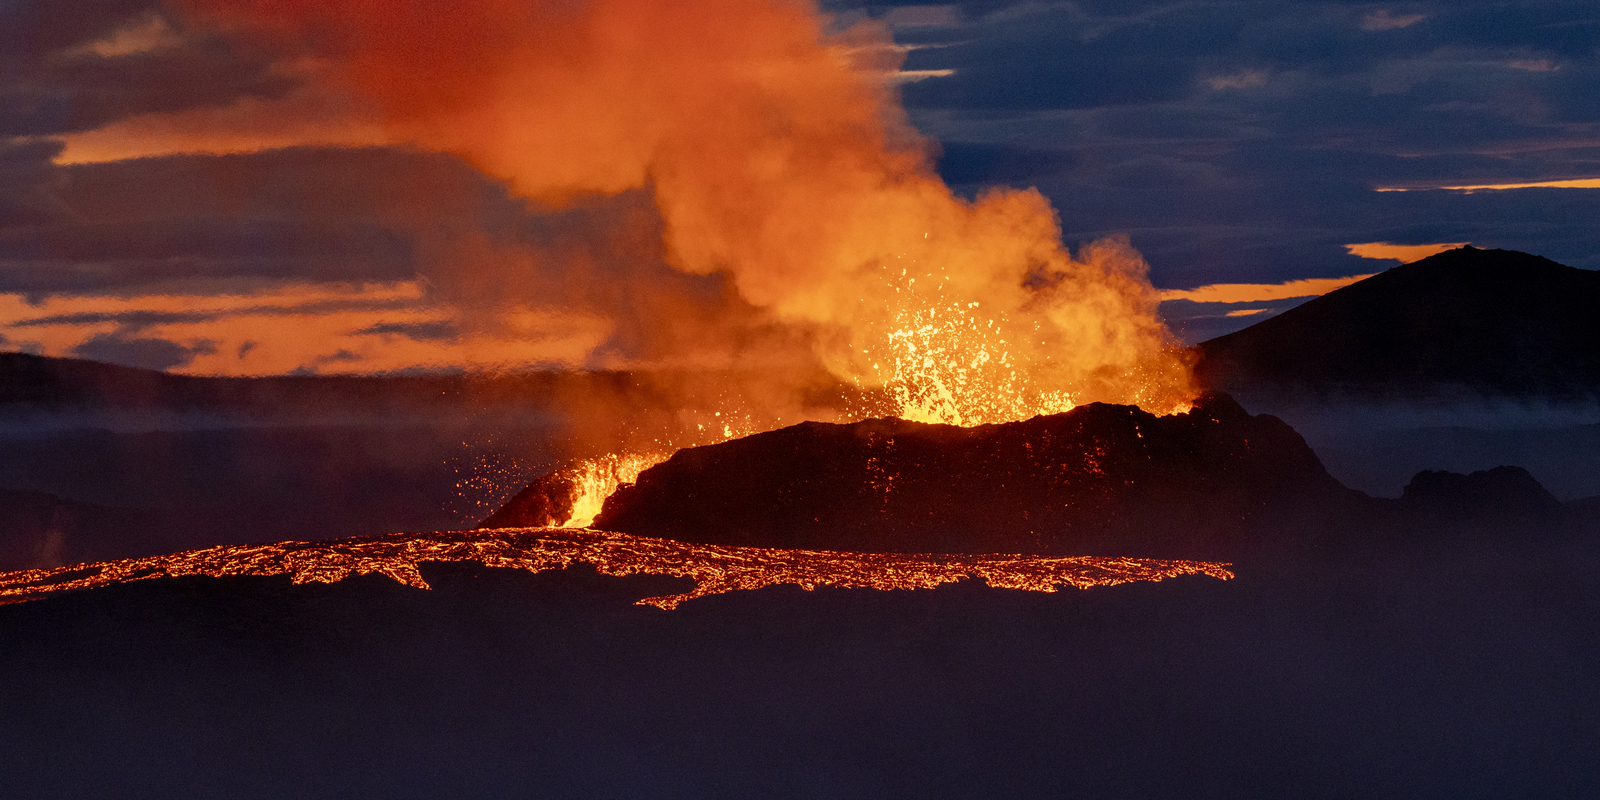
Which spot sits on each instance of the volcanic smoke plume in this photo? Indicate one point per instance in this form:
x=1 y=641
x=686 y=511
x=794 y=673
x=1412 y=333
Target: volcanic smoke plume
x=776 y=154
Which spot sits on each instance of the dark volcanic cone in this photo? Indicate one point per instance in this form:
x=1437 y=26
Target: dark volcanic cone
x=1098 y=480
x=1488 y=322
x=545 y=503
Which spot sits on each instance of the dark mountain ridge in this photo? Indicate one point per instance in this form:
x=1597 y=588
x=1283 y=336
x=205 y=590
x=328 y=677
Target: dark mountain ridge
x=1489 y=323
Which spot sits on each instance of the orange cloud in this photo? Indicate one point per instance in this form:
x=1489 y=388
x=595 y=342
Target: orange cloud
x=1574 y=183
x=328 y=328
x=1403 y=253
x=1259 y=292
x=311 y=115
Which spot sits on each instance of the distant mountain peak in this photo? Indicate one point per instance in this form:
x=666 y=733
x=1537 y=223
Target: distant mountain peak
x=1491 y=322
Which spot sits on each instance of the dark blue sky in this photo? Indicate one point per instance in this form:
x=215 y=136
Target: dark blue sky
x=1235 y=142
x=1242 y=141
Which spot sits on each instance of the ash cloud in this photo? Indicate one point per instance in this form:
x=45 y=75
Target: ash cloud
x=765 y=162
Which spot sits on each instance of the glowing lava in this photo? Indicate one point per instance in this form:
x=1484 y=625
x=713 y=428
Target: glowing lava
x=715 y=569
x=950 y=364
x=597 y=478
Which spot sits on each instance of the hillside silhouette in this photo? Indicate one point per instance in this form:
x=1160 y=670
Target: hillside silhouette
x=1496 y=323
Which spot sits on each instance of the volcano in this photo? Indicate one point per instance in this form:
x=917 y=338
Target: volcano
x=1100 y=479
x=1494 y=323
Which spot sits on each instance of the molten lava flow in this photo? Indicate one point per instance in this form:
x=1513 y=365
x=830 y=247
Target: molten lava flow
x=714 y=569
x=599 y=477
x=774 y=153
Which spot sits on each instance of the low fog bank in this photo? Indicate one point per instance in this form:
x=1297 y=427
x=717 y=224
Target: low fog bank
x=100 y=462
x=1376 y=446
x=93 y=494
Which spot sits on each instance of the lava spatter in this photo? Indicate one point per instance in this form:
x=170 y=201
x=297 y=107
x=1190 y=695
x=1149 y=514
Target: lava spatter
x=715 y=569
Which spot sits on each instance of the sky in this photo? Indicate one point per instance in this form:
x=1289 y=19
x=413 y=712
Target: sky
x=177 y=195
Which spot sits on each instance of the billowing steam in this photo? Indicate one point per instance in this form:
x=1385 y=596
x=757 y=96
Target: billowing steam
x=767 y=151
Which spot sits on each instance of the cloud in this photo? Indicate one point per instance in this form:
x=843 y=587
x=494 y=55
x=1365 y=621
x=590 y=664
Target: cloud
x=1382 y=20
x=1108 y=108
x=1574 y=183
x=307 y=214
x=1193 y=322
x=274 y=331
x=307 y=115
x=1269 y=183
x=78 y=65
x=442 y=330
x=941 y=16
x=1534 y=65
x=315 y=365
x=26 y=178
x=136 y=320
x=914 y=75
x=147 y=33
x=1404 y=253
x=1245 y=79
x=145 y=353
x=1260 y=292
x=217 y=243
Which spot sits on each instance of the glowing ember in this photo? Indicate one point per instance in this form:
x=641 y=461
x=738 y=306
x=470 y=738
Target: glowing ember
x=715 y=569
x=950 y=363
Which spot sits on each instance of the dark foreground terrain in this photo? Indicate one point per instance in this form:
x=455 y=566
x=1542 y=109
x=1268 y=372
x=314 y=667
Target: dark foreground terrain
x=1452 y=668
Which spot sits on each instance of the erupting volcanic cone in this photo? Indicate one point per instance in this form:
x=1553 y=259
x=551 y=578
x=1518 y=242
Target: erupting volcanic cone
x=1098 y=480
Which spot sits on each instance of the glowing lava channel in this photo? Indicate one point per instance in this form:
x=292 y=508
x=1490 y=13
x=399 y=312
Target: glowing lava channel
x=715 y=569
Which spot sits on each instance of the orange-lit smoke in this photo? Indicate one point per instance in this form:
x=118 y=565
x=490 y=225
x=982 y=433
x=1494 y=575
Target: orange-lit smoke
x=776 y=153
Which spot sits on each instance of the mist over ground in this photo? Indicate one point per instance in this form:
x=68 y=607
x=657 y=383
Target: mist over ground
x=1447 y=668
x=1377 y=447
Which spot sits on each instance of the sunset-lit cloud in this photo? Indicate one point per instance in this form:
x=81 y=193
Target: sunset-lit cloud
x=914 y=75
x=1382 y=20
x=1237 y=145
x=305 y=328
x=1259 y=292
x=1404 y=253
x=148 y=33
x=310 y=115
x=1574 y=183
